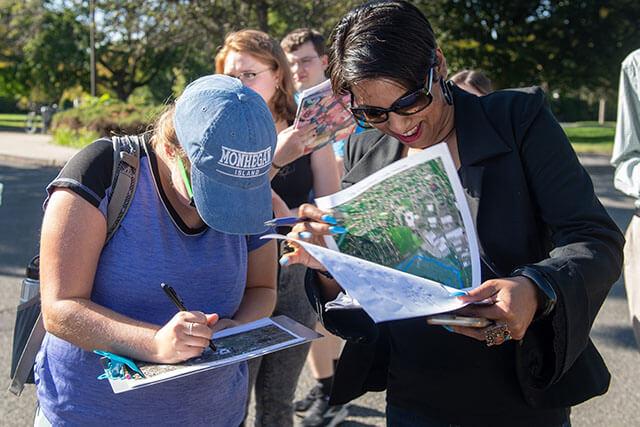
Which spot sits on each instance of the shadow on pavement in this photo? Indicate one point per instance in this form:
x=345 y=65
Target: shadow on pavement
x=615 y=336
x=362 y=411
x=21 y=214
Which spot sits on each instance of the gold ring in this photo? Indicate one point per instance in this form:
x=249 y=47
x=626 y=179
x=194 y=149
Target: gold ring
x=497 y=334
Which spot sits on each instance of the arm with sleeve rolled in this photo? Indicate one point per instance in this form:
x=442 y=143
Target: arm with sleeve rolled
x=586 y=258
x=626 y=149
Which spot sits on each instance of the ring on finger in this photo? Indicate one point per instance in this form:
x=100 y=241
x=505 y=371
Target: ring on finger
x=190 y=331
x=497 y=334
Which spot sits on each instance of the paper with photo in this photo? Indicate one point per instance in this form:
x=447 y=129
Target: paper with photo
x=234 y=345
x=328 y=112
x=410 y=244
x=411 y=216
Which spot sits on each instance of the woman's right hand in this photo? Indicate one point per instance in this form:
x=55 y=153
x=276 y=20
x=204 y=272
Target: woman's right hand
x=320 y=224
x=185 y=336
x=292 y=144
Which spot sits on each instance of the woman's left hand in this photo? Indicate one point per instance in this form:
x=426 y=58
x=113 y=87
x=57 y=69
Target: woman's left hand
x=515 y=302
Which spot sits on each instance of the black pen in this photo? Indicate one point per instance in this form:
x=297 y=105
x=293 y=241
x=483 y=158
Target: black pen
x=287 y=220
x=173 y=296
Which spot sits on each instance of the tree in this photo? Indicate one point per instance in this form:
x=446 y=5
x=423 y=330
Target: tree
x=55 y=56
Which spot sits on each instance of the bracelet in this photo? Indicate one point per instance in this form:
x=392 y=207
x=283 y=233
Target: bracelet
x=276 y=166
x=549 y=296
x=325 y=274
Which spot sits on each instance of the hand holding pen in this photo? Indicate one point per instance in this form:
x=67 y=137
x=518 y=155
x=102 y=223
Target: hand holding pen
x=311 y=225
x=173 y=296
x=185 y=336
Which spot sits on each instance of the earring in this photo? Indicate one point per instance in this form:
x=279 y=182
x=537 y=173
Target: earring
x=446 y=91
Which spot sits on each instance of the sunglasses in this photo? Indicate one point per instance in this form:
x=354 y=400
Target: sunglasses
x=406 y=105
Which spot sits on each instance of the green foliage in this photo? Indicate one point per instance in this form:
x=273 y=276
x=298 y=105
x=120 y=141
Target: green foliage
x=77 y=138
x=573 y=47
x=562 y=44
x=103 y=117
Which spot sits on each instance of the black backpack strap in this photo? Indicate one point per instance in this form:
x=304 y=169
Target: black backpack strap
x=28 y=357
x=126 y=168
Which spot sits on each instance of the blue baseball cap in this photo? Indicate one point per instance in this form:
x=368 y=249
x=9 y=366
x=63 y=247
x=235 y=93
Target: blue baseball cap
x=228 y=133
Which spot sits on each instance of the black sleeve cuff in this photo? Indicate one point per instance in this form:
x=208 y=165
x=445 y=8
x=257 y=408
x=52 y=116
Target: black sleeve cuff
x=550 y=298
x=353 y=325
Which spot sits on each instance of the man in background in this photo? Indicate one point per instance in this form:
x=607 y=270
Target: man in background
x=305 y=51
x=626 y=159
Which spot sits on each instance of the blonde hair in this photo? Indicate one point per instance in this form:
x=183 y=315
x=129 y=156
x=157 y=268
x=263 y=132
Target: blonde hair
x=163 y=134
x=268 y=51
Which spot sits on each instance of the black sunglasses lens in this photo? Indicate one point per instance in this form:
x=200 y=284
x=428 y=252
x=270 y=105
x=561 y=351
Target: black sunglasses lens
x=413 y=103
x=370 y=115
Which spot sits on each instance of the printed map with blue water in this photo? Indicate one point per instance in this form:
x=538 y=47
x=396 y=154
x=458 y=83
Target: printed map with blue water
x=410 y=222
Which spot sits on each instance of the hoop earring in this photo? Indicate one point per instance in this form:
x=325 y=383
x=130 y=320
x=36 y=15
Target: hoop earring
x=448 y=97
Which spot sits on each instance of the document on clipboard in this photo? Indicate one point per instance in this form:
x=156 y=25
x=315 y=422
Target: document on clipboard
x=234 y=345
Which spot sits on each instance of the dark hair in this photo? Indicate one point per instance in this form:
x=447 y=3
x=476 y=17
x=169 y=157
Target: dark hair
x=300 y=36
x=474 y=78
x=382 y=39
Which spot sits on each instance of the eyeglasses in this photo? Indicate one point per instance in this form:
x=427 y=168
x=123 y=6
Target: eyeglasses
x=248 y=76
x=303 y=62
x=187 y=181
x=406 y=105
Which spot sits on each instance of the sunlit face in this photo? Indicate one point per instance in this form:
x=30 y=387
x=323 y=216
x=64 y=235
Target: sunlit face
x=306 y=66
x=244 y=66
x=419 y=130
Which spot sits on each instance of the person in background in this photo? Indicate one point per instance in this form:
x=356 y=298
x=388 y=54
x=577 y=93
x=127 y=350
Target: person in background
x=259 y=62
x=305 y=51
x=550 y=252
x=626 y=160
x=473 y=81
x=108 y=297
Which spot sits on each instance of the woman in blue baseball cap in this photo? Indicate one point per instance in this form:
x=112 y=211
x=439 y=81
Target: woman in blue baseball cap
x=199 y=207
x=257 y=60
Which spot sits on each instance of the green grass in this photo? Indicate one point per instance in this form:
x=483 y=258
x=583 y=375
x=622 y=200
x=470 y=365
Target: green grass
x=589 y=137
x=14 y=121
x=74 y=138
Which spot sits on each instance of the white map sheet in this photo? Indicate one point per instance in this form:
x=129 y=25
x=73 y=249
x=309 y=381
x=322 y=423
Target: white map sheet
x=234 y=345
x=410 y=245
x=384 y=293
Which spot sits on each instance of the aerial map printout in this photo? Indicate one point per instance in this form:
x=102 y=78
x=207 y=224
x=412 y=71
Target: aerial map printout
x=233 y=345
x=410 y=238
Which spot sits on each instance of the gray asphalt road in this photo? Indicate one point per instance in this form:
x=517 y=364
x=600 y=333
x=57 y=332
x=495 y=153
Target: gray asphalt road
x=20 y=216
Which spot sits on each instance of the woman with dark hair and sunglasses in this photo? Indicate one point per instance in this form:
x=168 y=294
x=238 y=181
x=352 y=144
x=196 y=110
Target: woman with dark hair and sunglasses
x=550 y=252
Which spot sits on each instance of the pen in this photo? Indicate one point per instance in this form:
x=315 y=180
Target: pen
x=286 y=220
x=173 y=296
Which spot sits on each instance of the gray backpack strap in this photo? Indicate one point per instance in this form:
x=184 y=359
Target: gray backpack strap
x=126 y=167
x=28 y=357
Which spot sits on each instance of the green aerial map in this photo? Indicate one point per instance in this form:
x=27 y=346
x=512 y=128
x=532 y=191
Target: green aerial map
x=410 y=222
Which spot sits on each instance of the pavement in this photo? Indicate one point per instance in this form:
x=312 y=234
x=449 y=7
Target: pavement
x=33 y=149
x=29 y=162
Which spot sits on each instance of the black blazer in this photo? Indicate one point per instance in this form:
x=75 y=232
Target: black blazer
x=533 y=205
